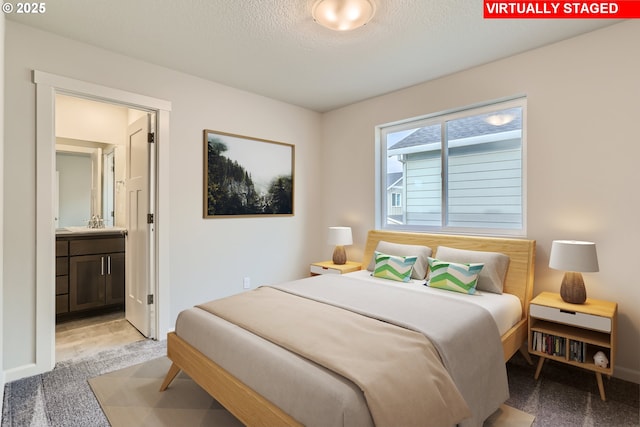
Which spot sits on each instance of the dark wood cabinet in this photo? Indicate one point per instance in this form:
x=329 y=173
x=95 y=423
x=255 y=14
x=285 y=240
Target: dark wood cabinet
x=62 y=277
x=96 y=280
x=96 y=273
x=114 y=285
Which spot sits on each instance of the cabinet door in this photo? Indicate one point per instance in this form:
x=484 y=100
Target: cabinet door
x=86 y=281
x=62 y=304
x=115 y=279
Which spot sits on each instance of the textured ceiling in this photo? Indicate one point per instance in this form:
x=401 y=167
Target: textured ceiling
x=273 y=47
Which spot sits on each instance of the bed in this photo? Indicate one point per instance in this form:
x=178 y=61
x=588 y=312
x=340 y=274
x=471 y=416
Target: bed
x=248 y=375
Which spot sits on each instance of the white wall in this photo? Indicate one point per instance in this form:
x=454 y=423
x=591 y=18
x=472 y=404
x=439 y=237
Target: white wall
x=583 y=112
x=2 y=31
x=210 y=257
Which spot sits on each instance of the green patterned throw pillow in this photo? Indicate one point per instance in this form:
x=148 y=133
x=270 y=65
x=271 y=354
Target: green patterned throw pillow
x=393 y=267
x=453 y=276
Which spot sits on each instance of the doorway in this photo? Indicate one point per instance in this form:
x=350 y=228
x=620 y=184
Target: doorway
x=93 y=153
x=47 y=86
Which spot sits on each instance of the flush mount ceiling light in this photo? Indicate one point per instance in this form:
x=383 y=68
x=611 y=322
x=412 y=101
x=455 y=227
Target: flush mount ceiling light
x=343 y=15
x=499 y=119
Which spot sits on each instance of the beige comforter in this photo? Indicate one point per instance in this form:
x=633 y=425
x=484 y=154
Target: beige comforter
x=399 y=370
x=464 y=333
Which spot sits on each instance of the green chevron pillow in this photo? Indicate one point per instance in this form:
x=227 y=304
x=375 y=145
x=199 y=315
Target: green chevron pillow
x=393 y=267
x=453 y=276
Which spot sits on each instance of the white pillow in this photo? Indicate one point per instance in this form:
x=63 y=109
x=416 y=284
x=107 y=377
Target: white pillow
x=491 y=277
x=422 y=252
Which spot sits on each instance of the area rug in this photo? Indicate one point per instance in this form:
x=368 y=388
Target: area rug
x=130 y=397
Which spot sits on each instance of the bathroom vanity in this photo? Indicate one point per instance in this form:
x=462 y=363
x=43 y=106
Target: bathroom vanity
x=90 y=271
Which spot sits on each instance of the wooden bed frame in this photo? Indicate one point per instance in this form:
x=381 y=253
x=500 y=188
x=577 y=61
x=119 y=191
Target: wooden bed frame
x=254 y=410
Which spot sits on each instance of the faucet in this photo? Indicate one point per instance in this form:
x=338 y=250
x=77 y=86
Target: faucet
x=95 y=222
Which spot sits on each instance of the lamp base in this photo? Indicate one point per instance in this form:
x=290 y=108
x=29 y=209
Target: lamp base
x=572 y=289
x=339 y=255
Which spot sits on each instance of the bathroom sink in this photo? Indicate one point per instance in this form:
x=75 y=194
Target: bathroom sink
x=85 y=229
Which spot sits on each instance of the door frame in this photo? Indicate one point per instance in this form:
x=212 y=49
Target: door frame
x=47 y=86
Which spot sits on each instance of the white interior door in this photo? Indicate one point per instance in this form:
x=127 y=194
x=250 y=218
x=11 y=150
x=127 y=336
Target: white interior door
x=140 y=232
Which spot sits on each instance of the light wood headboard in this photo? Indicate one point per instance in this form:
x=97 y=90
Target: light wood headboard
x=521 y=252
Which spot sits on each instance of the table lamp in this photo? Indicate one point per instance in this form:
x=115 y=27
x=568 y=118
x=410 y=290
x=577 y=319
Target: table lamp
x=573 y=257
x=339 y=236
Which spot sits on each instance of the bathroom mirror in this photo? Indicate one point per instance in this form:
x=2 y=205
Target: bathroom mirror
x=85 y=182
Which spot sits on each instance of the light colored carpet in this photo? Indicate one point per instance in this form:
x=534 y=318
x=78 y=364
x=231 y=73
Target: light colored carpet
x=563 y=396
x=130 y=397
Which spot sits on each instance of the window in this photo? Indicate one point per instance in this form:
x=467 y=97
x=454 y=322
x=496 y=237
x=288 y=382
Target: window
x=396 y=201
x=460 y=171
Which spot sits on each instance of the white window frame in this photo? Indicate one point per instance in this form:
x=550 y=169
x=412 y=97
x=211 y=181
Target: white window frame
x=412 y=123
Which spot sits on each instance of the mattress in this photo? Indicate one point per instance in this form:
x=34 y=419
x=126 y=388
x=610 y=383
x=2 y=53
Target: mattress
x=506 y=309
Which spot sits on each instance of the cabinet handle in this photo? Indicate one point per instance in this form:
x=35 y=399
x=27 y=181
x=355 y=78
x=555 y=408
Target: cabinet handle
x=567 y=311
x=109 y=265
x=102 y=266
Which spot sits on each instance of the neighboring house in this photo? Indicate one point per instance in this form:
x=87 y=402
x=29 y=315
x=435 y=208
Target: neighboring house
x=484 y=169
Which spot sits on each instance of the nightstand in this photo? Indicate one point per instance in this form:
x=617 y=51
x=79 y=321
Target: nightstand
x=573 y=333
x=328 y=267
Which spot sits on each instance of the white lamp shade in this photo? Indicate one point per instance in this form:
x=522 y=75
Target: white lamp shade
x=339 y=236
x=572 y=255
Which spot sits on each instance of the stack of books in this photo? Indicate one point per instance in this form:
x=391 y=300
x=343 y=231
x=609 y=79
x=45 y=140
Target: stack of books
x=577 y=351
x=549 y=344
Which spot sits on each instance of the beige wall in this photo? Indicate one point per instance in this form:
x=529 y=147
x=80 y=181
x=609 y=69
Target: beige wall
x=77 y=118
x=209 y=258
x=583 y=113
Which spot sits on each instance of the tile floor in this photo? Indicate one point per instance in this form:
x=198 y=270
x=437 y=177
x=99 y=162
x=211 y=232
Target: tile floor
x=84 y=337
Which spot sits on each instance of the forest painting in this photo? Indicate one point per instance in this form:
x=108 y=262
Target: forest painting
x=246 y=176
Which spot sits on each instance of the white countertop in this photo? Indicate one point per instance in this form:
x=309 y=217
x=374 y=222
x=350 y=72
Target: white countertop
x=84 y=230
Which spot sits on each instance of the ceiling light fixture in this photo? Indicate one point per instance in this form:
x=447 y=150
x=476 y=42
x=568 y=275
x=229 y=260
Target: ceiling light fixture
x=343 y=15
x=500 y=119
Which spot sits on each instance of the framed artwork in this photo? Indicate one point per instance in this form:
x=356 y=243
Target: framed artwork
x=245 y=176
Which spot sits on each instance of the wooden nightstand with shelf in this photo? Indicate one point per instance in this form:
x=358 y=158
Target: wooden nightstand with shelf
x=328 y=267
x=573 y=333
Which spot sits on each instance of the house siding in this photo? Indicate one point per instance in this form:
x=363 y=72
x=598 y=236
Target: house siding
x=484 y=187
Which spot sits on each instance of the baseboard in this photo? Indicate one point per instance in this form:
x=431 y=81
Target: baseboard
x=627 y=374
x=20 y=372
x=2 y=383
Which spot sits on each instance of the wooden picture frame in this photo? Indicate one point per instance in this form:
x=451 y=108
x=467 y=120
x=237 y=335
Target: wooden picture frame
x=246 y=176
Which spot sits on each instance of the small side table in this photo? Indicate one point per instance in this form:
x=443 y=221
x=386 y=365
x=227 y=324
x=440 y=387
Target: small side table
x=328 y=267
x=573 y=333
